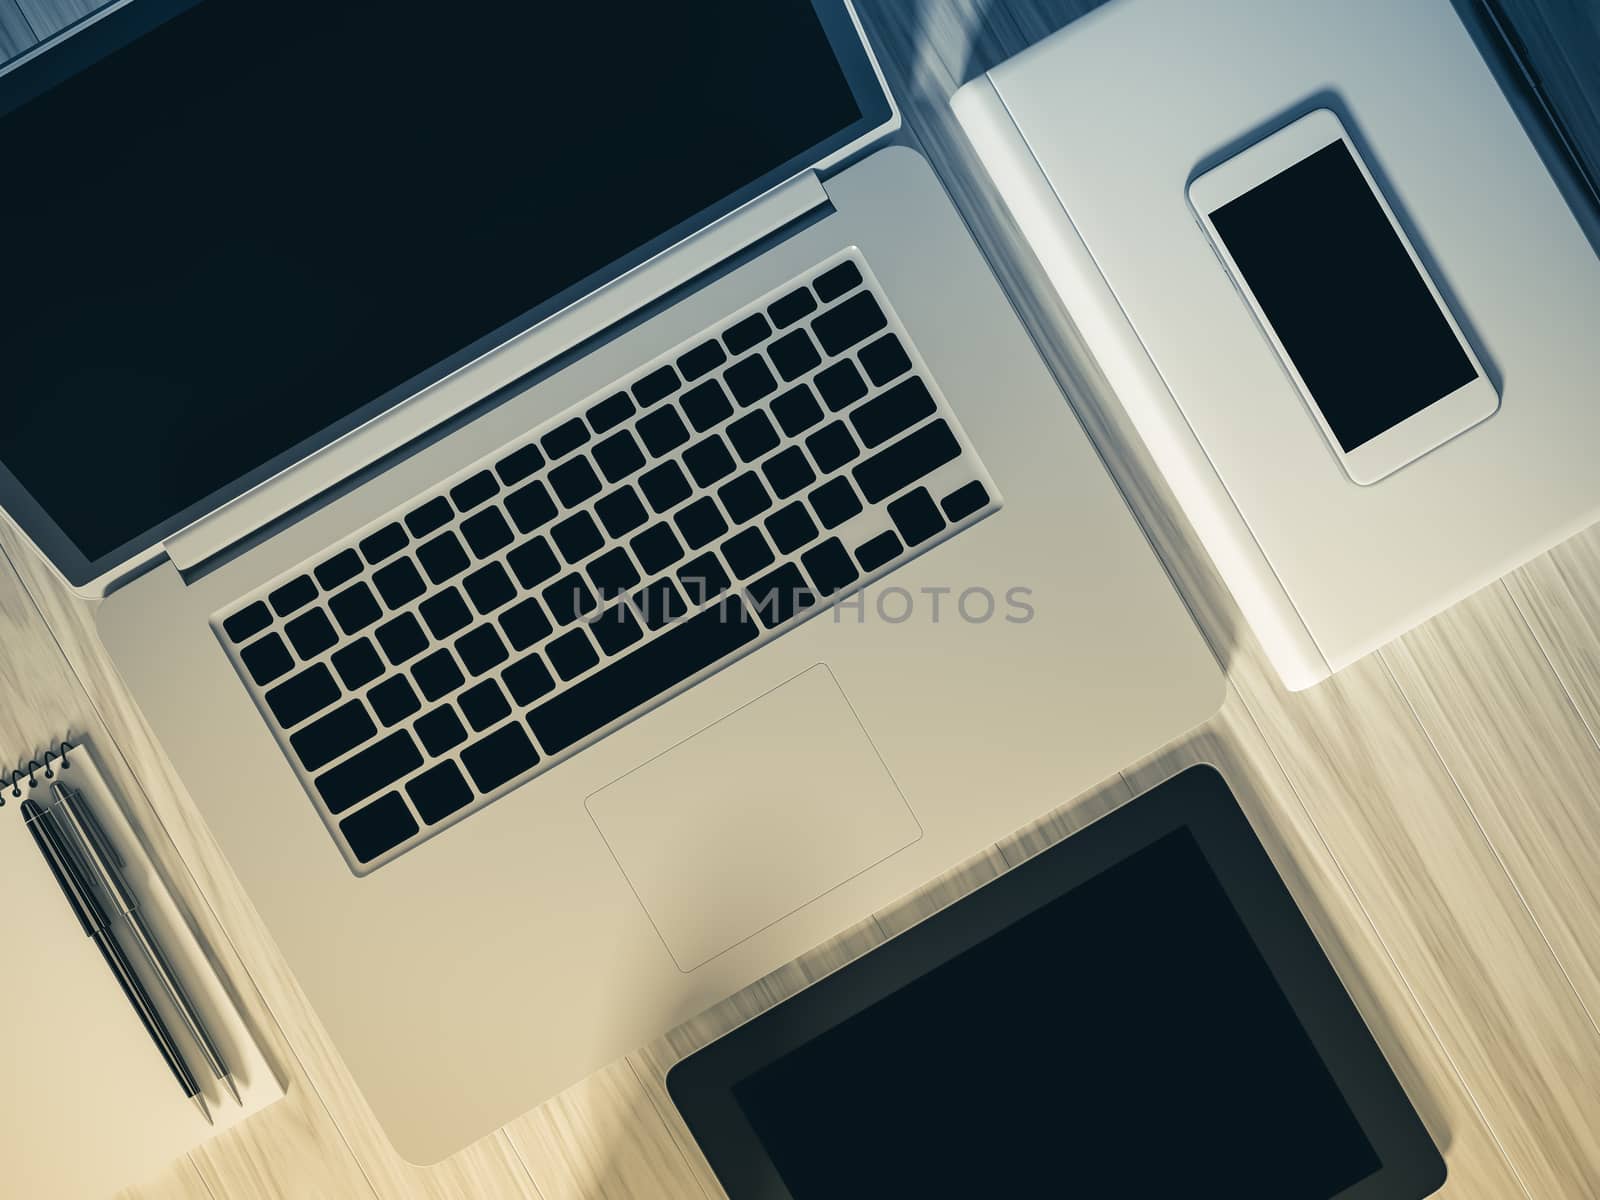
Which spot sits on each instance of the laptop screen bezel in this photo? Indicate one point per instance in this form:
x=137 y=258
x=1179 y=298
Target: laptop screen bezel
x=113 y=28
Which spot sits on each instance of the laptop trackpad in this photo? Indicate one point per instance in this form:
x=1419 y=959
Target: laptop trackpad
x=753 y=817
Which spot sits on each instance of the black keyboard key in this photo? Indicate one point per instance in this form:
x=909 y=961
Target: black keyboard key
x=293 y=596
x=333 y=735
x=564 y=439
x=752 y=435
x=298 y=697
x=267 y=659
x=875 y=552
x=916 y=516
x=836 y=281
x=572 y=653
x=399 y=583
x=744 y=497
x=489 y=587
x=483 y=705
x=857 y=319
x=355 y=608
x=786 y=310
x=746 y=334
x=841 y=385
x=517 y=466
x=747 y=552
x=378 y=828
x=749 y=380
x=340 y=569
x=619 y=455
x=368 y=772
x=531 y=506
x=577 y=537
x=525 y=624
x=705 y=357
x=665 y=486
x=445 y=613
x=964 y=501
x=568 y=598
x=499 y=758
x=435 y=514
x=700 y=522
x=487 y=532
x=481 y=650
x=791 y=527
x=830 y=567
x=703 y=579
x=610 y=412
x=678 y=653
x=613 y=572
x=663 y=431
x=621 y=512
x=247 y=622
x=797 y=410
x=884 y=359
x=657 y=385
x=389 y=540
x=574 y=482
x=906 y=461
x=657 y=548
x=788 y=472
x=835 y=502
x=533 y=562
x=527 y=679
x=659 y=603
x=706 y=405
x=780 y=594
x=311 y=633
x=473 y=491
x=616 y=629
x=708 y=460
x=402 y=639
x=439 y=791
x=832 y=447
x=393 y=700
x=892 y=413
x=437 y=675
x=358 y=664
x=443 y=558
x=440 y=731
x=794 y=354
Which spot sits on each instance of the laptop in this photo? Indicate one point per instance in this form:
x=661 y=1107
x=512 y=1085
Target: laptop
x=569 y=497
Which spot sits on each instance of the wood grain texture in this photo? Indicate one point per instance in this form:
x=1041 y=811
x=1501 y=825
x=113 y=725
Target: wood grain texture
x=16 y=35
x=1433 y=809
x=47 y=17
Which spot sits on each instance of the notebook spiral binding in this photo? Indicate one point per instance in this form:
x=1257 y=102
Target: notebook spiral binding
x=11 y=782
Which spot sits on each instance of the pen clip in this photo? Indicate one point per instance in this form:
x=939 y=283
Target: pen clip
x=90 y=823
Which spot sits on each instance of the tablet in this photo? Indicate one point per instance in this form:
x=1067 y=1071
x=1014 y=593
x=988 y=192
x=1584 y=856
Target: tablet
x=1138 y=1011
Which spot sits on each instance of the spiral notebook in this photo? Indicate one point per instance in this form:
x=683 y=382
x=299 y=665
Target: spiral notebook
x=87 y=1106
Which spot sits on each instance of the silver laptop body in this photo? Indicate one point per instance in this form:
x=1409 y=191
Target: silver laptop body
x=489 y=892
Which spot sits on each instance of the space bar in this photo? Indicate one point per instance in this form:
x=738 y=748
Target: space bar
x=643 y=675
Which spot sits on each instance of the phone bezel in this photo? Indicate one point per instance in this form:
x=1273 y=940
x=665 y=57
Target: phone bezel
x=1422 y=432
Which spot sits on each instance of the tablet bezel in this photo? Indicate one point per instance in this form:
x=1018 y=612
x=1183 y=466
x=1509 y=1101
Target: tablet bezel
x=1197 y=800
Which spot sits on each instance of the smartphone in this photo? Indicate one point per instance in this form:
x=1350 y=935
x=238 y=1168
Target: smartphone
x=1339 y=290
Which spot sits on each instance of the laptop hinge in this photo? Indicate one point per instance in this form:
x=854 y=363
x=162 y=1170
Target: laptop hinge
x=389 y=431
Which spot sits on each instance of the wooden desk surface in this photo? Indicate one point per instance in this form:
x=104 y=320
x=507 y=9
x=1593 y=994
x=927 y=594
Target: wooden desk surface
x=1435 y=808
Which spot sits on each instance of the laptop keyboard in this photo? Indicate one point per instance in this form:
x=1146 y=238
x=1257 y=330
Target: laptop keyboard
x=752 y=477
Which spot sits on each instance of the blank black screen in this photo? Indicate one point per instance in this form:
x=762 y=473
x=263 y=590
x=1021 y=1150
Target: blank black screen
x=1127 y=1039
x=262 y=216
x=1343 y=296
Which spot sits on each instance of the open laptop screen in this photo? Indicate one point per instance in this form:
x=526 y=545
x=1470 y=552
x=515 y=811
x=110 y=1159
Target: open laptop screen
x=236 y=235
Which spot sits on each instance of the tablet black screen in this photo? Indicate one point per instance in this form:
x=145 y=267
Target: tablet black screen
x=1126 y=1039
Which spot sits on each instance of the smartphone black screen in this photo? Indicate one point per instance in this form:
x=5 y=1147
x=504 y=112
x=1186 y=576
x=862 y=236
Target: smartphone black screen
x=1343 y=295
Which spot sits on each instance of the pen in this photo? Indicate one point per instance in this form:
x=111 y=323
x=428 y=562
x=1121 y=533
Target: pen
x=93 y=920
x=106 y=864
